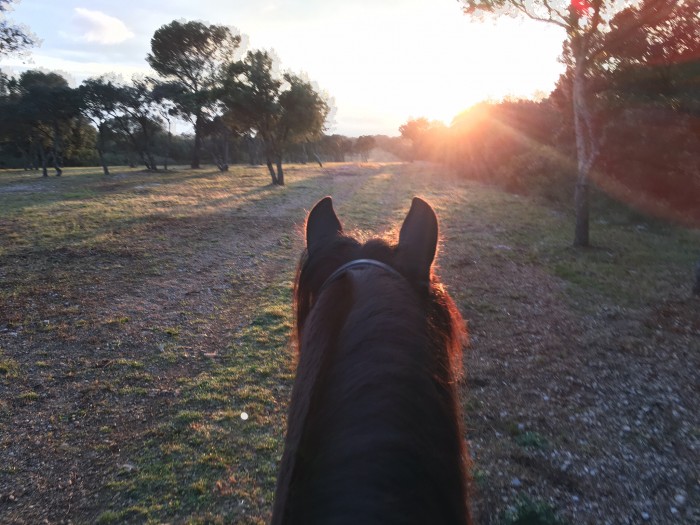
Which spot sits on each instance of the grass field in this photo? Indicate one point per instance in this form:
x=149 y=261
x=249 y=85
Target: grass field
x=141 y=314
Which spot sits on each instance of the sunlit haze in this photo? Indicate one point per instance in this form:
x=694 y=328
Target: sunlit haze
x=380 y=61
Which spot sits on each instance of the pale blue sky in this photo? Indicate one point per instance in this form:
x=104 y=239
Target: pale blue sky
x=381 y=61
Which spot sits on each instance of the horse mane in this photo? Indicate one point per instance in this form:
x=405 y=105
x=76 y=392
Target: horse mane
x=408 y=330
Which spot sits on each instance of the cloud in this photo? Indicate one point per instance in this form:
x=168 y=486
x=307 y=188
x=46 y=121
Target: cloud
x=99 y=28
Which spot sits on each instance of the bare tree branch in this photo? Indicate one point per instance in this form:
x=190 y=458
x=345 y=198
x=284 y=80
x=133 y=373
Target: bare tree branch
x=520 y=6
x=551 y=10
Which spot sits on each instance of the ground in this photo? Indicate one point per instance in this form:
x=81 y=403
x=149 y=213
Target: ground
x=142 y=314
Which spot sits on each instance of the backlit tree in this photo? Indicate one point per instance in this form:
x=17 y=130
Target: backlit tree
x=590 y=35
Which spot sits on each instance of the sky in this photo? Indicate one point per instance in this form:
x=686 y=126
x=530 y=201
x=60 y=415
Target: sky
x=380 y=62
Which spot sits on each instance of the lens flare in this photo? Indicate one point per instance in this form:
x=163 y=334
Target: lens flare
x=582 y=6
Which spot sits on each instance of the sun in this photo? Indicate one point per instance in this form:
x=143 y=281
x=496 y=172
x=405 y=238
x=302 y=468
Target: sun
x=436 y=65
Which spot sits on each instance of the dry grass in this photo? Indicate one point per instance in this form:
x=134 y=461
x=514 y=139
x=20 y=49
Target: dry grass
x=141 y=314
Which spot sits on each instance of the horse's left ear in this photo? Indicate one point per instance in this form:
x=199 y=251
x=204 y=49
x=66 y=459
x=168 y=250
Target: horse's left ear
x=322 y=225
x=418 y=240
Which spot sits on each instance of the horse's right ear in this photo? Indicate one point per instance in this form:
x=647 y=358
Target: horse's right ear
x=322 y=225
x=418 y=240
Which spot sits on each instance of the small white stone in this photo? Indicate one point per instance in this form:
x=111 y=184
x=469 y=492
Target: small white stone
x=244 y=416
x=680 y=499
x=645 y=516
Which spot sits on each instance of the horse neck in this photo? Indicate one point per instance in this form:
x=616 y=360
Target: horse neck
x=368 y=368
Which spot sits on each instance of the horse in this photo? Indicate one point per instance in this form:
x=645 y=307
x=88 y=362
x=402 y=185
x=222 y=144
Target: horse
x=374 y=431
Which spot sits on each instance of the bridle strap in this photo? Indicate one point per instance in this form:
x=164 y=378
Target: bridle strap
x=359 y=263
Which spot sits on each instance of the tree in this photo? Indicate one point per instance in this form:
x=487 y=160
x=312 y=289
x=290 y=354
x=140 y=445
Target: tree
x=416 y=130
x=590 y=34
x=659 y=65
x=100 y=98
x=428 y=139
x=282 y=111
x=333 y=148
x=189 y=56
x=13 y=38
x=47 y=106
x=137 y=117
x=363 y=146
x=15 y=129
x=166 y=110
x=80 y=143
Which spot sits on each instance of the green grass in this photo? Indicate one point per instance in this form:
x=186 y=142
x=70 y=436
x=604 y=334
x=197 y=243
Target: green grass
x=529 y=512
x=9 y=368
x=633 y=260
x=207 y=454
x=532 y=440
x=28 y=396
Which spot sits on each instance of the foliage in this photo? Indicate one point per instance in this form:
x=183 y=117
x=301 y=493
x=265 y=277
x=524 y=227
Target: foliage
x=189 y=57
x=335 y=147
x=241 y=108
x=281 y=110
x=595 y=29
x=100 y=99
x=363 y=145
x=14 y=39
x=640 y=101
x=138 y=120
x=40 y=109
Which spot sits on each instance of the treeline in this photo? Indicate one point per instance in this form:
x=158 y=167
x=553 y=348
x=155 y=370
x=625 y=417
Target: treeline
x=48 y=125
x=643 y=101
x=238 y=108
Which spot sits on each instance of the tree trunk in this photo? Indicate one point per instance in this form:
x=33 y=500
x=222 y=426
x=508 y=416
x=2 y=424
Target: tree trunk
x=103 y=162
x=197 y=142
x=100 y=150
x=169 y=147
x=167 y=152
x=271 y=169
x=226 y=149
x=581 y=206
x=56 y=151
x=44 y=162
x=280 y=173
x=153 y=166
x=586 y=152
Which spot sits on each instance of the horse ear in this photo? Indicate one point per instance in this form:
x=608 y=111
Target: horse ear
x=322 y=225
x=418 y=239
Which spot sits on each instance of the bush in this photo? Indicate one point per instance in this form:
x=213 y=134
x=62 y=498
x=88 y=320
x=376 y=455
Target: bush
x=541 y=172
